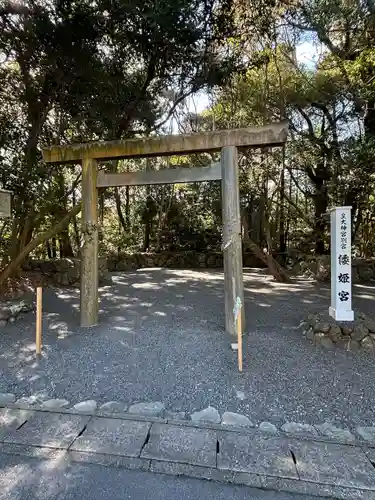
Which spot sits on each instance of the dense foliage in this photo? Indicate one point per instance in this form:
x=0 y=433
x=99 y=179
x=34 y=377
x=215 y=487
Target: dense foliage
x=73 y=71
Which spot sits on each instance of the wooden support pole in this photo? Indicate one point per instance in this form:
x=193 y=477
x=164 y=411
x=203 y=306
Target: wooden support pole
x=39 y=317
x=232 y=241
x=239 y=338
x=89 y=251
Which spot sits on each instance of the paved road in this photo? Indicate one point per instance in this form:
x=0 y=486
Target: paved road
x=161 y=339
x=24 y=478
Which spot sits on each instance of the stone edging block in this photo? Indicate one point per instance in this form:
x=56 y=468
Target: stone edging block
x=252 y=479
x=348 y=438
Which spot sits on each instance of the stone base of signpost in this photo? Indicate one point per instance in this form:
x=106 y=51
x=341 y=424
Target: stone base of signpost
x=322 y=330
x=340 y=315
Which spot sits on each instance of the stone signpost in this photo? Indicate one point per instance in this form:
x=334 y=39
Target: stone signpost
x=5 y=203
x=341 y=265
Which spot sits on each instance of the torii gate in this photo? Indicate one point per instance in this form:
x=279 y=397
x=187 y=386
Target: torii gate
x=226 y=141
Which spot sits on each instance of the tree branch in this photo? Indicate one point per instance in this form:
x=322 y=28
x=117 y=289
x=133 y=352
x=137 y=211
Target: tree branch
x=38 y=240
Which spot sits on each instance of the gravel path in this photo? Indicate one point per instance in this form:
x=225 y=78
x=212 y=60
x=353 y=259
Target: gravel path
x=161 y=338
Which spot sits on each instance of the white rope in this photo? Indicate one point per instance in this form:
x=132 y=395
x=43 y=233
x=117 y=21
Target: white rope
x=237 y=308
x=227 y=245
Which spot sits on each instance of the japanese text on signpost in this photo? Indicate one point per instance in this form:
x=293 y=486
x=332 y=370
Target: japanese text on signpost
x=341 y=276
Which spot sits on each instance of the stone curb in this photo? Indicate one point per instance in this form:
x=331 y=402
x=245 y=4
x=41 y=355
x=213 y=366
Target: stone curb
x=96 y=413
x=240 y=478
x=40 y=452
x=165 y=466
x=316 y=436
x=132 y=463
x=214 y=427
x=195 y=471
x=266 y=482
x=302 y=487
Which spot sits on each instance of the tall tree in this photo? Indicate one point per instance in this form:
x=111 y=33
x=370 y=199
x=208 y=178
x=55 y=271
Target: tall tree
x=79 y=70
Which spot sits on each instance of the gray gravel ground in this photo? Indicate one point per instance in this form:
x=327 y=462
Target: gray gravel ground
x=30 y=479
x=161 y=338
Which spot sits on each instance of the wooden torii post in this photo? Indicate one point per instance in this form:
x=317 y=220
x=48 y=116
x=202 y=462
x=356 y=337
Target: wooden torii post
x=226 y=141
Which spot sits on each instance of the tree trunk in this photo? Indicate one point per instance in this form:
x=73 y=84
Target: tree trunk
x=274 y=267
x=357 y=224
x=146 y=239
x=119 y=210
x=101 y=206
x=13 y=242
x=369 y=120
x=287 y=227
x=66 y=249
x=282 y=239
x=75 y=225
x=321 y=206
x=127 y=207
x=26 y=233
x=54 y=247
x=38 y=240
x=49 y=251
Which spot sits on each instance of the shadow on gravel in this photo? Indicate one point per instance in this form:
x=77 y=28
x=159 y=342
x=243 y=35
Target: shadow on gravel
x=161 y=338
